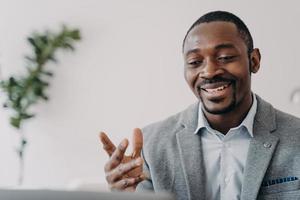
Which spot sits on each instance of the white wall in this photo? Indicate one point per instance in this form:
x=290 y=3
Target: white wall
x=126 y=73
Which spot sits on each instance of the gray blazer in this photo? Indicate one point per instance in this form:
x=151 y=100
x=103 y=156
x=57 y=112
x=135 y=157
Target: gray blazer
x=173 y=156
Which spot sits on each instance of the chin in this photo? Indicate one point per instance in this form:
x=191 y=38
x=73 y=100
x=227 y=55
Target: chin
x=218 y=108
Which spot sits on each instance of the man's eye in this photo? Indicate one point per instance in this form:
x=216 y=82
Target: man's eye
x=226 y=58
x=195 y=63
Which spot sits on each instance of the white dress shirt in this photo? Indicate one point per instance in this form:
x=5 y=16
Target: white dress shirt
x=225 y=156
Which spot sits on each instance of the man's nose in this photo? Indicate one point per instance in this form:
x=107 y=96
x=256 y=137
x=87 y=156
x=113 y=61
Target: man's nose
x=211 y=69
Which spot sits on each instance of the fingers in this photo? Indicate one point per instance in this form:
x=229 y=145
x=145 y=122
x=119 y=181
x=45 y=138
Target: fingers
x=128 y=184
x=108 y=146
x=131 y=188
x=122 y=169
x=137 y=142
x=117 y=156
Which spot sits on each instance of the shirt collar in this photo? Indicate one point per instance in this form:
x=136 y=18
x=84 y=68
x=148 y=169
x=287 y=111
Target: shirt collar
x=247 y=122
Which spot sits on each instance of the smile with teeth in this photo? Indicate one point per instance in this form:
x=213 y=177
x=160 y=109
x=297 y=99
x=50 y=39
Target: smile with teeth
x=214 y=90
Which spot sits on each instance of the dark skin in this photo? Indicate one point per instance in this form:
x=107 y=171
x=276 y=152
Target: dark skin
x=216 y=56
x=124 y=172
x=218 y=70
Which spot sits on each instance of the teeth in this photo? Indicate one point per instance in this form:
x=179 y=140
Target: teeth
x=217 y=89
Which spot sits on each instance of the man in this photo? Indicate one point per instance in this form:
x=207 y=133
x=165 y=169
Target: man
x=229 y=145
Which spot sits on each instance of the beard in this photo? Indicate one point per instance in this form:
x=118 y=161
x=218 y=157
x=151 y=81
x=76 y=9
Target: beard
x=223 y=110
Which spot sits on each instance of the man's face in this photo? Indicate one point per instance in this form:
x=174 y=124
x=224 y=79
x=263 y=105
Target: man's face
x=217 y=66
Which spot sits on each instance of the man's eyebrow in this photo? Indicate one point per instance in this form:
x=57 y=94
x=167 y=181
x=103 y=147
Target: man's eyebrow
x=225 y=46
x=192 y=51
x=218 y=47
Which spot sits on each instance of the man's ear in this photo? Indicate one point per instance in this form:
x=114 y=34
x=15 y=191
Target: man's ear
x=255 y=60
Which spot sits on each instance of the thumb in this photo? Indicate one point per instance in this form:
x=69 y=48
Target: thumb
x=137 y=141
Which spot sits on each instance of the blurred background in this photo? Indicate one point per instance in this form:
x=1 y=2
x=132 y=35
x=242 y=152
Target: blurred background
x=126 y=72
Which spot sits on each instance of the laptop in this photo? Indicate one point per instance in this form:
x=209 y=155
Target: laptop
x=79 y=195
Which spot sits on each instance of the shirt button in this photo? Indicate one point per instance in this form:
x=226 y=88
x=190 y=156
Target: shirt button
x=267 y=145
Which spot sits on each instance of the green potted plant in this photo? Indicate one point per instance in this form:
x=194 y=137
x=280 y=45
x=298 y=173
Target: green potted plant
x=25 y=91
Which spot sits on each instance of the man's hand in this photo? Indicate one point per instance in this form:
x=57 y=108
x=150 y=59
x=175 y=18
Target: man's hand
x=123 y=172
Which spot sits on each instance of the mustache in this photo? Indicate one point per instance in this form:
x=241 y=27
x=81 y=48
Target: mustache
x=215 y=80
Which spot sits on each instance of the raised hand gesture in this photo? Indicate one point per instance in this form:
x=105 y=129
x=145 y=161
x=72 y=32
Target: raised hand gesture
x=124 y=172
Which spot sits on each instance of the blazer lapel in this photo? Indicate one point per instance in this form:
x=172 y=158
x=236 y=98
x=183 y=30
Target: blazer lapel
x=261 y=149
x=191 y=154
x=260 y=152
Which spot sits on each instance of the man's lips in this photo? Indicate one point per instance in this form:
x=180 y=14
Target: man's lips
x=215 y=87
x=215 y=90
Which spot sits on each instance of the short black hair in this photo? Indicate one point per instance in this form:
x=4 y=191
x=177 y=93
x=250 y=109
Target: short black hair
x=225 y=16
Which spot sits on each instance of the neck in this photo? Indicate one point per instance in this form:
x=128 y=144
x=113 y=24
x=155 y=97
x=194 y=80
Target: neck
x=224 y=122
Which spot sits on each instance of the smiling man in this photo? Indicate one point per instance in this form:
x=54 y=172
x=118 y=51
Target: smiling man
x=229 y=145
x=219 y=61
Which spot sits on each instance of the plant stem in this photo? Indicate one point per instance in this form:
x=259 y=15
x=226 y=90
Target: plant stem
x=21 y=171
x=21 y=160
